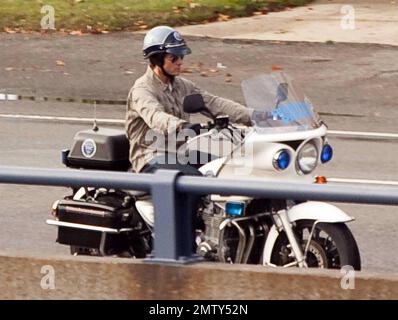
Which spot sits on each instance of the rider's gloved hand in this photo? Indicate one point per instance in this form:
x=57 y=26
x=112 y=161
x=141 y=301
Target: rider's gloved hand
x=196 y=127
x=259 y=116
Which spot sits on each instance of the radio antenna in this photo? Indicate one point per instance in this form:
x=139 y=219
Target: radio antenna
x=95 y=126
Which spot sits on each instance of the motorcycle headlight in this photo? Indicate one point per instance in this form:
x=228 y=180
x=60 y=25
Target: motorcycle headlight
x=281 y=160
x=307 y=158
x=327 y=153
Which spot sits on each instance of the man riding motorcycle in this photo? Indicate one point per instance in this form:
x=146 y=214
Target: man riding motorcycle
x=155 y=102
x=287 y=141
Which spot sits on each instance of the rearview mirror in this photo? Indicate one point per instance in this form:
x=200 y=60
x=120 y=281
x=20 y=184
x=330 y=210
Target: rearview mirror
x=282 y=92
x=194 y=103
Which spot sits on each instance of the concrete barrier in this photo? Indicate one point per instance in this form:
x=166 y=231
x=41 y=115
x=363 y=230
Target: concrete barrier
x=115 y=278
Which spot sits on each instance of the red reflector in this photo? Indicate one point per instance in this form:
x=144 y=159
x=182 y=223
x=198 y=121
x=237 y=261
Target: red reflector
x=321 y=180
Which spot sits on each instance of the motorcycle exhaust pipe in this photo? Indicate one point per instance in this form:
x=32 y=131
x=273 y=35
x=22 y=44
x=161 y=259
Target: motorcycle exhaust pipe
x=248 y=250
x=241 y=244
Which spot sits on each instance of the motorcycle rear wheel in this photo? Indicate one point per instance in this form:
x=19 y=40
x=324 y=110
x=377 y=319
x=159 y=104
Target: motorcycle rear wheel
x=332 y=246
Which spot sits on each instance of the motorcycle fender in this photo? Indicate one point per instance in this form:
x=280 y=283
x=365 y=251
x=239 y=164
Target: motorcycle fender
x=311 y=210
x=320 y=211
x=146 y=211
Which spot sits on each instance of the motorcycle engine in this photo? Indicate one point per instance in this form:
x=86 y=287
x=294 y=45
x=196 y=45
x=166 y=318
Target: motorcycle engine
x=237 y=241
x=207 y=240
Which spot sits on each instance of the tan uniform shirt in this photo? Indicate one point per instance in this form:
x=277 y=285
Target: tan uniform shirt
x=152 y=104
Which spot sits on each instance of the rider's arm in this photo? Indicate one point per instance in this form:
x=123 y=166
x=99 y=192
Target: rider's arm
x=142 y=101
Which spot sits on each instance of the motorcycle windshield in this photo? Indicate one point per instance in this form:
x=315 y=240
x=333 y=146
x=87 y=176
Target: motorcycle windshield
x=278 y=104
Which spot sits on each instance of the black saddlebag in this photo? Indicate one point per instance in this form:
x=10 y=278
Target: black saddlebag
x=93 y=225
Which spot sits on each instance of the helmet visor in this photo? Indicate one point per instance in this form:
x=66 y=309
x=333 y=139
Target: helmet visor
x=179 y=51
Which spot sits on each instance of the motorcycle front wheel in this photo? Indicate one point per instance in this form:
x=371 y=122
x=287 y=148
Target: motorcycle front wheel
x=332 y=246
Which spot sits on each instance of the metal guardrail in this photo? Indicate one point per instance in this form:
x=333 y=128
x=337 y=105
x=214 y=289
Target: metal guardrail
x=173 y=241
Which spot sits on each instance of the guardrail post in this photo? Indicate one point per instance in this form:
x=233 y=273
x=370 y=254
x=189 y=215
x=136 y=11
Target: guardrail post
x=173 y=221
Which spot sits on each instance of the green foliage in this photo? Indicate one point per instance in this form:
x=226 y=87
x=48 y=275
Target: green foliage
x=116 y=15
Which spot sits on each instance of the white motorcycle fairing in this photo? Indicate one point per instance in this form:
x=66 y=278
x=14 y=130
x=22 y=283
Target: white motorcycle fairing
x=311 y=210
x=147 y=211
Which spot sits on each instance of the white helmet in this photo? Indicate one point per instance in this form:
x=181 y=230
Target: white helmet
x=164 y=39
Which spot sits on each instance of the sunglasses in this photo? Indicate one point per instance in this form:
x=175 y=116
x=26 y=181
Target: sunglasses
x=174 y=57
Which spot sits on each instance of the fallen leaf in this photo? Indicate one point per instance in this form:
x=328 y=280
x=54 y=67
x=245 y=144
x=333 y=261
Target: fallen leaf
x=196 y=66
x=276 y=68
x=186 y=71
x=60 y=63
x=8 y=30
x=223 y=17
x=76 y=33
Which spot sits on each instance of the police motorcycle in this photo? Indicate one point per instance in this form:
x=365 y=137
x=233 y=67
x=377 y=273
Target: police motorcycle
x=287 y=142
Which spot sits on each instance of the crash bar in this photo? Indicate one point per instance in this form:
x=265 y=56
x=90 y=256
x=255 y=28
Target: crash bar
x=173 y=241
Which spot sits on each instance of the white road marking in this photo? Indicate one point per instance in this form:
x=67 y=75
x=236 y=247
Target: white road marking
x=363 y=181
x=363 y=134
x=63 y=119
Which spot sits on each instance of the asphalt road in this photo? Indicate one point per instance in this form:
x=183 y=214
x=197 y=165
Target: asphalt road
x=352 y=86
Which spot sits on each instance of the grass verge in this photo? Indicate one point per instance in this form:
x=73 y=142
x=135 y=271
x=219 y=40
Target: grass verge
x=100 y=16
